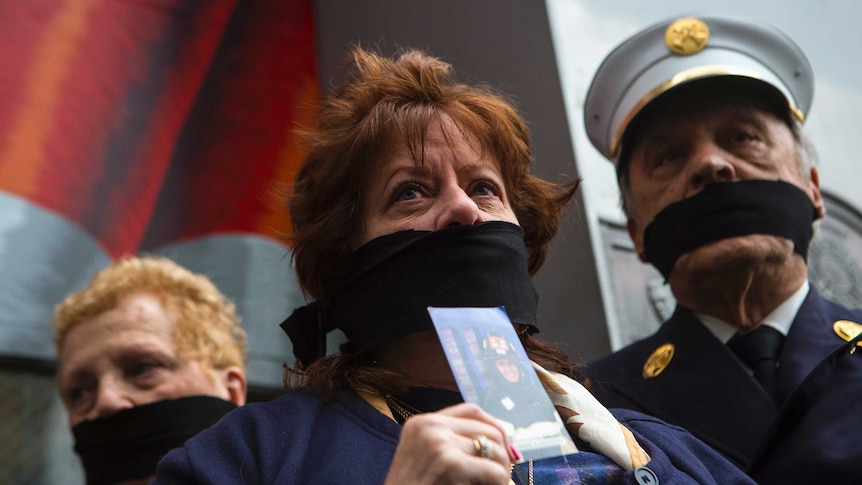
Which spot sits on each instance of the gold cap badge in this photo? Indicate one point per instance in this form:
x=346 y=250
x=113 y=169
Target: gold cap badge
x=847 y=330
x=658 y=361
x=686 y=36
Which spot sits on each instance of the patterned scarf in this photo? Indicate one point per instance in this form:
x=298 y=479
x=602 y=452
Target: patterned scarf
x=592 y=423
x=586 y=418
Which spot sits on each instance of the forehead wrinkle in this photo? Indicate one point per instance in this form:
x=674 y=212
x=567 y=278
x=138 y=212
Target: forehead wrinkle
x=114 y=345
x=477 y=166
x=662 y=125
x=393 y=168
x=137 y=323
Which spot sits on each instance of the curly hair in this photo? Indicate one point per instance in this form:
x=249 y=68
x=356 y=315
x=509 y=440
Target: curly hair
x=207 y=327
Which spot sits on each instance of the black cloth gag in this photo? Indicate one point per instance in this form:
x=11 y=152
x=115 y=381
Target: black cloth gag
x=129 y=444
x=393 y=279
x=726 y=210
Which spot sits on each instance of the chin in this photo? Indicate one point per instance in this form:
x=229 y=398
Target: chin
x=734 y=254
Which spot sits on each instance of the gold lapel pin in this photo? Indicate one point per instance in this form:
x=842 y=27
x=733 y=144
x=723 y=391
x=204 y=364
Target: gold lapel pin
x=658 y=360
x=847 y=330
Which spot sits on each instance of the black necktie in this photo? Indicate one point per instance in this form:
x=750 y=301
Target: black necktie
x=759 y=349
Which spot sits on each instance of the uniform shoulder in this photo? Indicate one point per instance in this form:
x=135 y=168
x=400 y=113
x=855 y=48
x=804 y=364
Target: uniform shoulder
x=837 y=309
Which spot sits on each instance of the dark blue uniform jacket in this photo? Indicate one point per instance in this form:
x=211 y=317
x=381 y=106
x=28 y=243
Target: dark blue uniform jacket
x=814 y=435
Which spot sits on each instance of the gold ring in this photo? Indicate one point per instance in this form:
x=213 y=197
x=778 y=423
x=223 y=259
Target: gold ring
x=483 y=446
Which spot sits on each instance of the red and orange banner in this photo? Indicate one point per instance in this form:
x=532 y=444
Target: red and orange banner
x=144 y=124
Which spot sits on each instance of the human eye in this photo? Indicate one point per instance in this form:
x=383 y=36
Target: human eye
x=742 y=136
x=665 y=158
x=77 y=395
x=142 y=369
x=407 y=191
x=741 y=132
x=656 y=152
x=484 y=188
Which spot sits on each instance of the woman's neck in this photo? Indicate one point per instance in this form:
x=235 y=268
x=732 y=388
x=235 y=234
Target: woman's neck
x=420 y=357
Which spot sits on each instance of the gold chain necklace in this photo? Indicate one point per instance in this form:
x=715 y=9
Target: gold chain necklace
x=401 y=408
x=405 y=411
x=529 y=471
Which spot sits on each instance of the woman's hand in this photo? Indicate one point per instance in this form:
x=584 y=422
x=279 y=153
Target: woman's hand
x=445 y=447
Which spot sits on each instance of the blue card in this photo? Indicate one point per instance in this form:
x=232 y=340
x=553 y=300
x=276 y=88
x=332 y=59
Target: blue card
x=493 y=371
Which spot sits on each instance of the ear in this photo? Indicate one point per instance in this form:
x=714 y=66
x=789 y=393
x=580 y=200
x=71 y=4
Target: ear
x=816 y=197
x=233 y=378
x=637 y=237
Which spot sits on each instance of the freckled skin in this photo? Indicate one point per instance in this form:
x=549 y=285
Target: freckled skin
x=126 y=357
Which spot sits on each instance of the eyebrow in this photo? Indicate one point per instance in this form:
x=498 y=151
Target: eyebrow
x=390 y=173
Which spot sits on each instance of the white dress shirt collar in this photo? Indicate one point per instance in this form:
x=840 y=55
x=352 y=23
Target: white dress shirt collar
x=780 y=319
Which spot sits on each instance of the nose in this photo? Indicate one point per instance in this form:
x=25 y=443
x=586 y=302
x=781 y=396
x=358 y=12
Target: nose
x=709 y=164
x=458 y=209
x=111 y=398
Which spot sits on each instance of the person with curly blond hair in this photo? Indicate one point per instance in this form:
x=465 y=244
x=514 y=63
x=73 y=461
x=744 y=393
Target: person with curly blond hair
x=147 y=355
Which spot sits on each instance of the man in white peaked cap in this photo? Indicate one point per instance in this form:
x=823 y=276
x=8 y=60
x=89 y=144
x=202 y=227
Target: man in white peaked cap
x=702 y=118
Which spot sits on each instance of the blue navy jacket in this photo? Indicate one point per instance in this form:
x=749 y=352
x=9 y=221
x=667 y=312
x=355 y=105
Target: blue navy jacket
x=298 y=439
x=814 y=434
